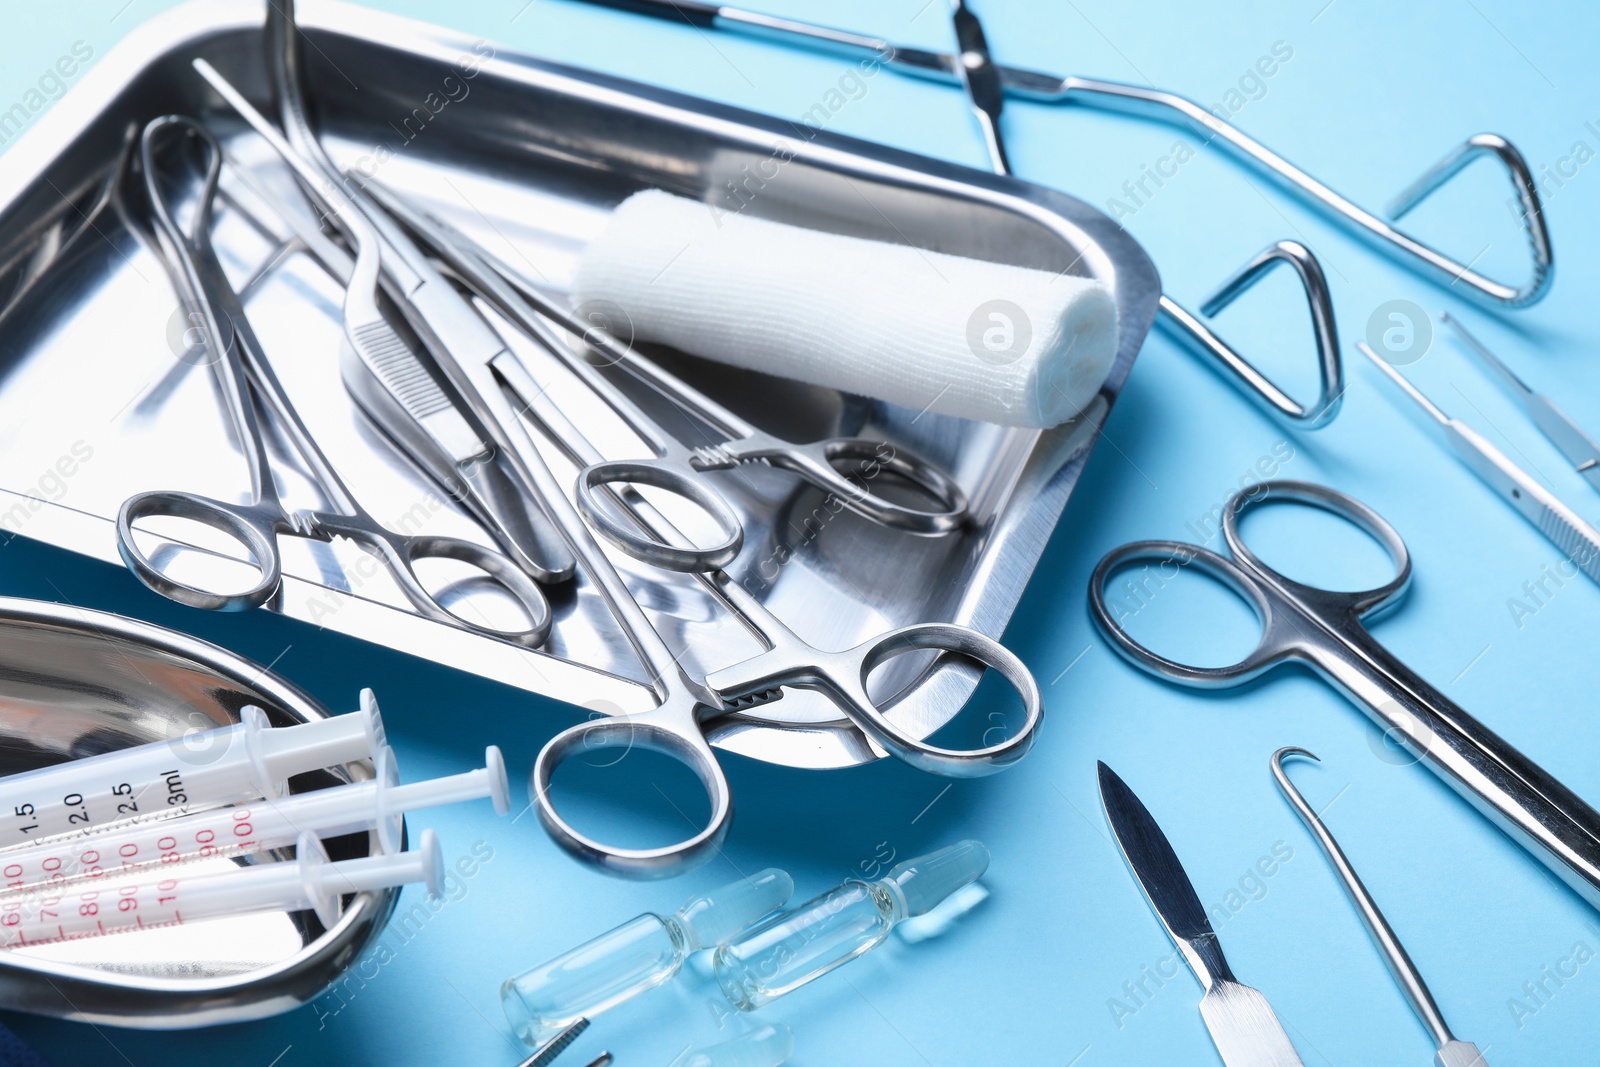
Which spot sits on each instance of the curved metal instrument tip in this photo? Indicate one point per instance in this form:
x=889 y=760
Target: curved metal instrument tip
x=1292 y=750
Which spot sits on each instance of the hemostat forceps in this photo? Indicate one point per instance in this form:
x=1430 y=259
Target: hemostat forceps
x=464 y=346
x=236 y=353
x=677 y=726
x=458 y=341
x=1322 y=629
x=512 y=297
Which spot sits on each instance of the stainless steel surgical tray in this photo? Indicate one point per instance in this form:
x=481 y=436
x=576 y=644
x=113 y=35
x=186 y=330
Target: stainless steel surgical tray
x=101 y=397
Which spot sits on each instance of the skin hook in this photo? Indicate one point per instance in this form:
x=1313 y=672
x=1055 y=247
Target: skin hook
x=1451 y=1052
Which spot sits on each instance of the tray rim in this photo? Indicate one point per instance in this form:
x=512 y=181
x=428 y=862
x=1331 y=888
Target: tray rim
x=1039 y=492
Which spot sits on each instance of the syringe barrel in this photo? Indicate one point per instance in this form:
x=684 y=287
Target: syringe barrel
x=218 y=833
x=178 y=897
x=157 y=899
x=226 y=765
x=600 y=974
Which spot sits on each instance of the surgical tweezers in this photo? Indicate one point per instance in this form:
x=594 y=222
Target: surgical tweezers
x=1562 y=526
x=1579 y=448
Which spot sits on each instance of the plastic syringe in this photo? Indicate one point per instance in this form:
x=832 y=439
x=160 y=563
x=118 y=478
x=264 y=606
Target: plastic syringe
x=246 y=761
x=310 y=881
x=256 y=826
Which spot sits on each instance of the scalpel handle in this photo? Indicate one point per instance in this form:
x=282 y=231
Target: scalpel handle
x=773 y=27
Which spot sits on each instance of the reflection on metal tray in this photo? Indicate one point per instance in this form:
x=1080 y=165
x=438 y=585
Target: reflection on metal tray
x=99 y=397
x=77 y=683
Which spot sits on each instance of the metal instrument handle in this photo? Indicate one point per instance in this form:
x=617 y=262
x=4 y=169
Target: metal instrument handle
x=628 y=535
x=252 y=526
x=817 y=463
x=670 y=729
x=1323 y=629
x=1178 y=556
x=602 y=478
x=400 y=554
x=842 y=676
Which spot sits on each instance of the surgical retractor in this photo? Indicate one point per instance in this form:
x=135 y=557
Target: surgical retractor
x=1451 y=1052
x=789 y=950
x=635 y=957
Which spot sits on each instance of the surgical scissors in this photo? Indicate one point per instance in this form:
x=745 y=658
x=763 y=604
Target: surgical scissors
x=236 y=353
x=525 y=305
x=676 y=727
x=1323 y=629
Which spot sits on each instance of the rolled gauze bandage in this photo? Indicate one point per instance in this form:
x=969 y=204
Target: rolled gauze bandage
x=929 y=331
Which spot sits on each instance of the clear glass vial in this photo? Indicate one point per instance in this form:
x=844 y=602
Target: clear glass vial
x=788 y=950
x=766 y=1046
x=636 y=956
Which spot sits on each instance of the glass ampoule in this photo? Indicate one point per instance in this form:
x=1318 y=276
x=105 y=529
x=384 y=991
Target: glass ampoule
x=634 y=957
x=766 y=1046
x=788 y=950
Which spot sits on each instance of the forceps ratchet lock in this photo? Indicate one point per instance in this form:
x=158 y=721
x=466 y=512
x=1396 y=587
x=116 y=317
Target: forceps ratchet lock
x=1323 y=629
x=676 y=727
x=246 y=378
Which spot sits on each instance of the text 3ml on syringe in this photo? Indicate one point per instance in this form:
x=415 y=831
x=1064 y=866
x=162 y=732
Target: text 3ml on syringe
x=245 y=761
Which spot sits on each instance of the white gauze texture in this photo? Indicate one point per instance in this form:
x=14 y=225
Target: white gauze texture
x=930 y=331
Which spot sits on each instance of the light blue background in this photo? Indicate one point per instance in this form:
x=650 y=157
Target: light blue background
x=1374 y=92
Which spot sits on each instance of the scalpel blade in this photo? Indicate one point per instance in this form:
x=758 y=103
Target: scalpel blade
x=1241 y=1022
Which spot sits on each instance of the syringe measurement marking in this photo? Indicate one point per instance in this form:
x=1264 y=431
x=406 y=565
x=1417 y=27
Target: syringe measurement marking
x=123 y=794
x=15 y=926
x=87 y=864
